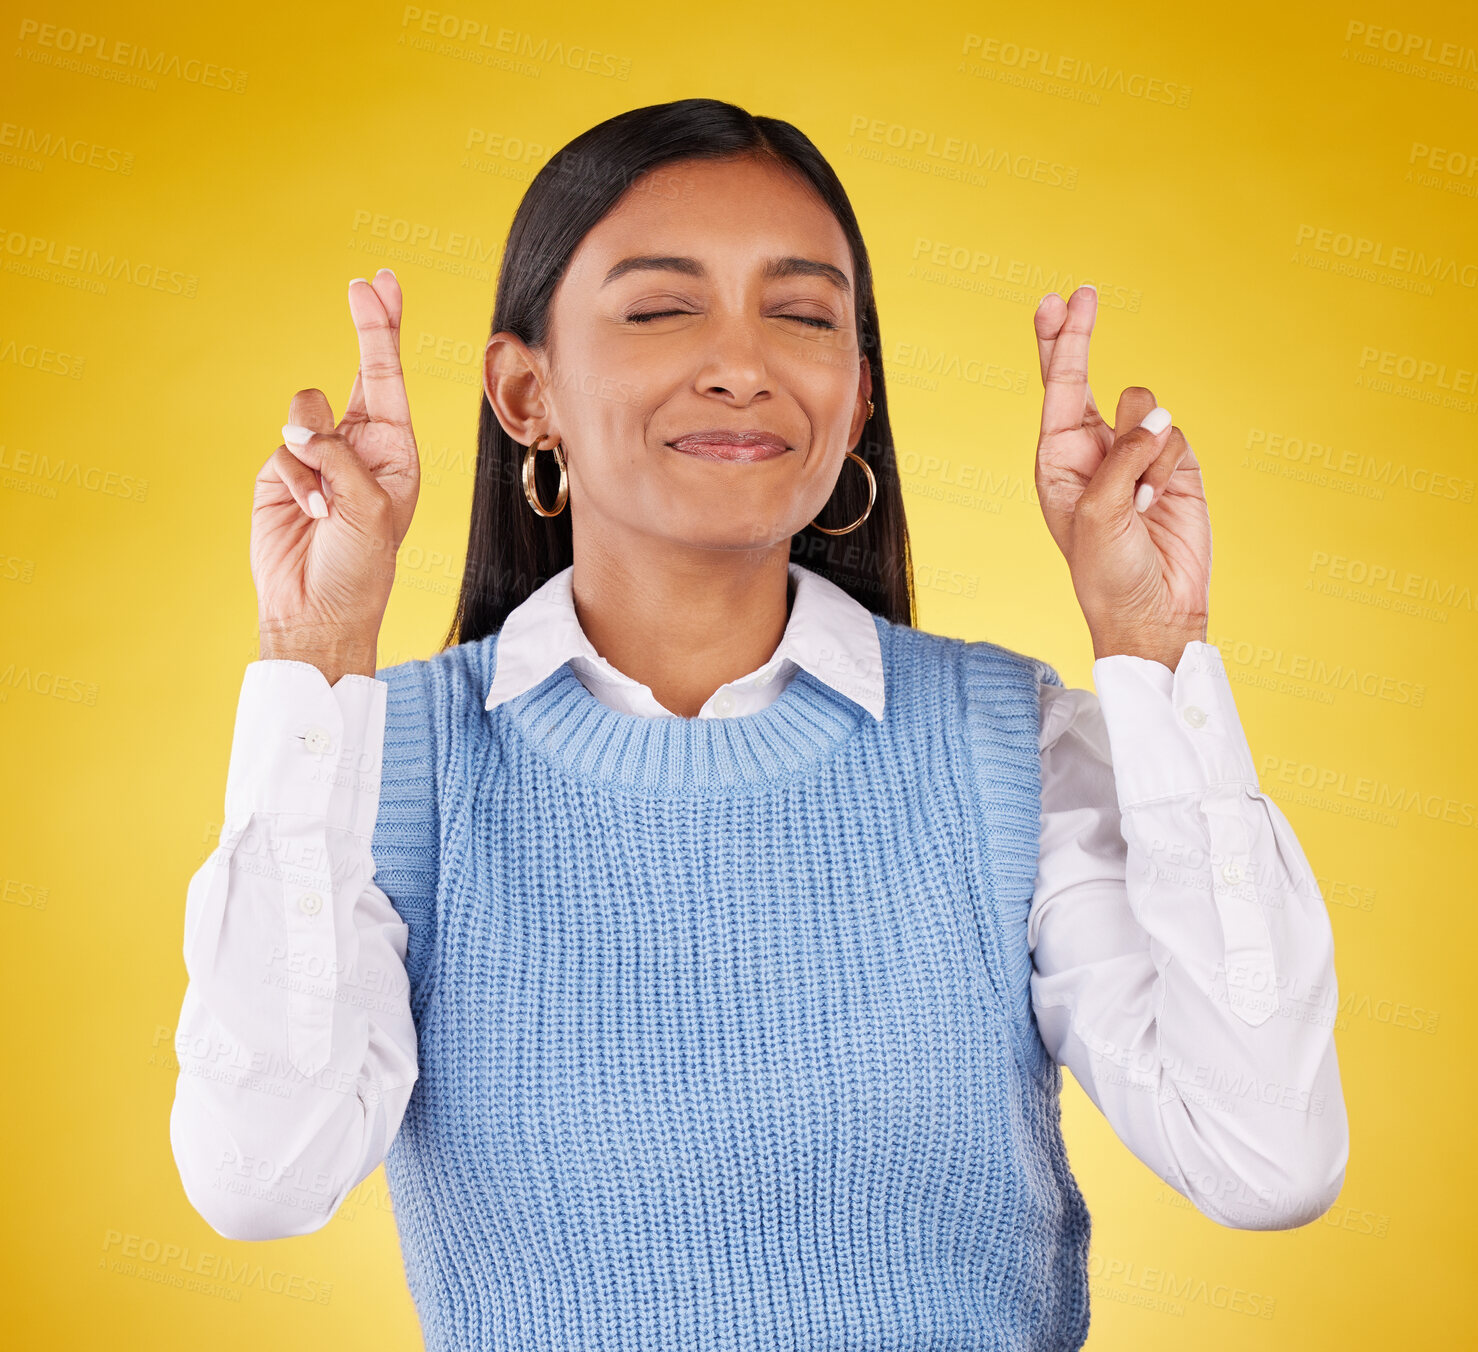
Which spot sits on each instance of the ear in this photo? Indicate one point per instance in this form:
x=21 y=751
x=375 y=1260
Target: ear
x=864 y=393
x=514 y=381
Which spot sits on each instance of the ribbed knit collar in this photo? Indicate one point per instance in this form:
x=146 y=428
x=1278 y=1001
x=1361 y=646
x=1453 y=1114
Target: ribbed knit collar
x=569 y=726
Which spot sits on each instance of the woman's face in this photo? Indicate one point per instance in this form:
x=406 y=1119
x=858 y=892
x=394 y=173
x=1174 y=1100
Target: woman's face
x=718 y=295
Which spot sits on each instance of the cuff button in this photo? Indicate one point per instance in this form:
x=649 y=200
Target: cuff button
x=318 y=741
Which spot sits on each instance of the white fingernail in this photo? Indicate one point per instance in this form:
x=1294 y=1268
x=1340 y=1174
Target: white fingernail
x=316 y=505
x=1157 y=419
x=1142 y=496
x=296 y=436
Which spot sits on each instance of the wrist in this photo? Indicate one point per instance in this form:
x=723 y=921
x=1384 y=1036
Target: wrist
x=1162 y=648
x=333 y=654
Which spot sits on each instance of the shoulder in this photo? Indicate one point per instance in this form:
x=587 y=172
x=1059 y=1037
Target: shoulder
x=980 y=660
x=446 y=680
x=434 y=704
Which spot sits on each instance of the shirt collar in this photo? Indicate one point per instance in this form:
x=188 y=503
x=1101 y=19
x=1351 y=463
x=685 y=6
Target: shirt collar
x=830 y=634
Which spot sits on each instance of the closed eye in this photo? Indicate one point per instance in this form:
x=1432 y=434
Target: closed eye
x=660 y=314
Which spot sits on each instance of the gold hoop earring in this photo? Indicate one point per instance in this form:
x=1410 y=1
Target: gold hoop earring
x=872 y=494
x=529 y=489
x=869 y=411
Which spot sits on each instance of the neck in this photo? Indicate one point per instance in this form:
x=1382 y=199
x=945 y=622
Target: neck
x=682 y=621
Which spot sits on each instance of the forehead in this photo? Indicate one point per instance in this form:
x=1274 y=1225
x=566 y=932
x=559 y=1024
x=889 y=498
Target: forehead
x=727 y=214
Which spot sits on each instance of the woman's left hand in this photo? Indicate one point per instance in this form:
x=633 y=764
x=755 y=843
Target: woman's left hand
x=1143 y=578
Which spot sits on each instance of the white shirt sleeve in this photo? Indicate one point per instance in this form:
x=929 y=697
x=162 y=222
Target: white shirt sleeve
x=296 y=1047
x=1183 y=959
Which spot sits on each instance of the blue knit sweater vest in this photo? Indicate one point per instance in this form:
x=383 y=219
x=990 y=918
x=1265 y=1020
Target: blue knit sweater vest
x=725 y=1025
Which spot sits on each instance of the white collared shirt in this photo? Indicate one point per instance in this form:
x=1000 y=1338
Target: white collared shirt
x=1183 y=961
x=828 y=633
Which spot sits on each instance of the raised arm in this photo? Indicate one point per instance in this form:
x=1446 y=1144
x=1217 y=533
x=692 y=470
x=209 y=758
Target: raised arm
x=296 y=1047
x=1183 y=959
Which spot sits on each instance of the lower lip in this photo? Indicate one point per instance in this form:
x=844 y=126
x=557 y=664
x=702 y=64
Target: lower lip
x=724 y=450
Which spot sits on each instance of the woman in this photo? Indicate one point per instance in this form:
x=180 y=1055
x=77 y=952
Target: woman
x=727 y=933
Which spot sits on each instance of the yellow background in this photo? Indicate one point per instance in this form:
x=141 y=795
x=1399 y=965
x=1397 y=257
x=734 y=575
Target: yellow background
x=1214 y=190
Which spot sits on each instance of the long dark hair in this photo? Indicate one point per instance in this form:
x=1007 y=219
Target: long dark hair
x=511 y=550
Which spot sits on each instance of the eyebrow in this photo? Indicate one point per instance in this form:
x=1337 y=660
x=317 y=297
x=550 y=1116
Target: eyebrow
x=789 y=266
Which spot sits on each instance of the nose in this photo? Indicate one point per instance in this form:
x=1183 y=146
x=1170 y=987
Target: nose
x=732 y=357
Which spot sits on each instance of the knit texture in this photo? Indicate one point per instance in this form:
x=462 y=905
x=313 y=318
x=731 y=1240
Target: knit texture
x=725 y=1028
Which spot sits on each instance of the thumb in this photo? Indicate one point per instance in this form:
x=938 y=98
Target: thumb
x=307 y=413
x=1113 y=486
x=342 y=473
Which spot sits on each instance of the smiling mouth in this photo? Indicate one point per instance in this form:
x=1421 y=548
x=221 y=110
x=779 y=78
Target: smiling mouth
x=742 y=447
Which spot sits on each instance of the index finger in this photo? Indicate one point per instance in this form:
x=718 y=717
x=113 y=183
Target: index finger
x=376 y=308
x=1065 y=371
x=1045 y=317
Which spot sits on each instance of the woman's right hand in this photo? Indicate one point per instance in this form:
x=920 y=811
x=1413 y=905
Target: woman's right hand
x=323 y=580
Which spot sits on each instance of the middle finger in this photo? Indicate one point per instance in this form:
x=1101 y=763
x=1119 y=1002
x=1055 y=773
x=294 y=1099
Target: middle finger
x=1048 y=325
x=376 y=316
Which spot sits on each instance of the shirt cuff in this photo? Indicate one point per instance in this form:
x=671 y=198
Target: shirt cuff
x=302 y=746
x=1172 y=732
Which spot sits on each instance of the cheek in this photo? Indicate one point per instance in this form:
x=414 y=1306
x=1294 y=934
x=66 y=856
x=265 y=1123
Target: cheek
x=633 y=389
x=829 y=414
x=826 y=379
x=604 y=383
x=610 y=411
